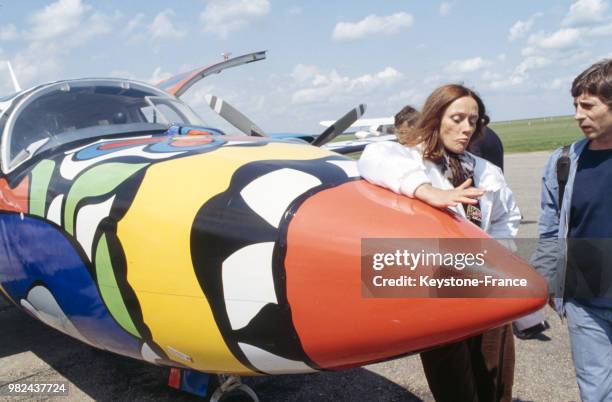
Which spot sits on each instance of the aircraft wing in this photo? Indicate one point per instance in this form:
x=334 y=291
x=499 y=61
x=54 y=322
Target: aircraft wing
x=180 y=83
x=348 y=147
x=380 y=121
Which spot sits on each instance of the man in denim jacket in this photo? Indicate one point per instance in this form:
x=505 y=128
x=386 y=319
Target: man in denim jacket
x=576 y=231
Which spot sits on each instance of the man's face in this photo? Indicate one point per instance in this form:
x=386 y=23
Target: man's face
x=594 y=117
x=403 y=127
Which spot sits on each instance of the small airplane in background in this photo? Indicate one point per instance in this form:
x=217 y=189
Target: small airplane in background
x=372 y=127
x=129 y=225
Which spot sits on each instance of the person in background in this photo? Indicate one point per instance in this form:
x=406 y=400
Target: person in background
x=488 y=146
x=405 y=118
x=431 y=163
x=575 y=249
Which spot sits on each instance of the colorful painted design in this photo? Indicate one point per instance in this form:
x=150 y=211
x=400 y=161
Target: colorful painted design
x=255 y=320
x=148 y=297
x=41 y=176
x=200 y=252
x=14 y=199
x=110 y=290
x=40 y=263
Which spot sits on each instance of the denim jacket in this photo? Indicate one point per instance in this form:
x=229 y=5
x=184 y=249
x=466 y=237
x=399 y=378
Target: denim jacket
x=550 y=256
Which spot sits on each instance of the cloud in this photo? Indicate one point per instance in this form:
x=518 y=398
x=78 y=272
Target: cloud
x=521 y=28
x=136 y=29
x=466 y=66
x=96 y=24
x=408 y=97
x=56 y=19
x=558 y=83
x=8 y=32
x=135 y=23
x=302 y=73
x=445 y=8
x=371 y=25
x=491 y=76
x=600 y=30
x=67 y=24
x=519 y=75
x=163 y=28
x=221 y=17
x=158 y=75
x=53 y=32
x=531 y=63
x=511 y=81
x=564 y=38
x=332 y=86
x=585 y=12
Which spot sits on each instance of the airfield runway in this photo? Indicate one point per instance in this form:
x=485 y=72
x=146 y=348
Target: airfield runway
x=33 y=352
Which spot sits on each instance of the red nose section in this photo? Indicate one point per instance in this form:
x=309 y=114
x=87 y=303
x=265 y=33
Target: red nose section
x=337 y=326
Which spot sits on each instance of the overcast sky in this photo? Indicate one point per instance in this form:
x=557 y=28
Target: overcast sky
x=324 y=56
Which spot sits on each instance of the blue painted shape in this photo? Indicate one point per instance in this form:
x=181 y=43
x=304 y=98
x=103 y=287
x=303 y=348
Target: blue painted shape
x=35 y=252
x=286 y=136
x=194 y=382
x=163 y=147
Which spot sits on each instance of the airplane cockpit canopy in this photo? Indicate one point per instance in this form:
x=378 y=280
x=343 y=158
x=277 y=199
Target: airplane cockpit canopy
x=71 y=111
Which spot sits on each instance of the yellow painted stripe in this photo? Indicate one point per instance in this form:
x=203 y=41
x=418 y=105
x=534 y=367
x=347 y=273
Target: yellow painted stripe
x=155 y=235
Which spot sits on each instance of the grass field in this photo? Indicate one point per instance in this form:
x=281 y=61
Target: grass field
x=541 y=134
x=528 y=135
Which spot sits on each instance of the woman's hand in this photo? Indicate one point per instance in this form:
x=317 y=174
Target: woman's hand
x=463 y=194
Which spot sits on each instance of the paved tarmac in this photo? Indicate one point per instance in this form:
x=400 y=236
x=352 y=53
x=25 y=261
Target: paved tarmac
x=31 y=351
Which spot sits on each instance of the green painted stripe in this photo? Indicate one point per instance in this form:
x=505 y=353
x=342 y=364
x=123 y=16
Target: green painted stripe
x=97 y=181
x=109 y=289
x=41 y=177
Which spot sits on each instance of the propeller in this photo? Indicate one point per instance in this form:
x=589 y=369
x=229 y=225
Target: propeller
x=340 y=126
x=233 y=116
x=244 y=124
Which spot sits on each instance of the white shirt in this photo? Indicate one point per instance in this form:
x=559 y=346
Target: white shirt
x=402 y=169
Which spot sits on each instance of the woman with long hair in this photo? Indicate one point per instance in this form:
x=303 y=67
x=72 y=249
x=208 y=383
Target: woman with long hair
x=431 y=163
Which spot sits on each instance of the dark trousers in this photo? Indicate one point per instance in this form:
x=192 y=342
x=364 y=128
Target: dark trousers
x=478 y=369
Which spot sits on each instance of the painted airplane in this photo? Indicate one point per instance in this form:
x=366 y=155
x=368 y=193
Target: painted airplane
x=129 y=225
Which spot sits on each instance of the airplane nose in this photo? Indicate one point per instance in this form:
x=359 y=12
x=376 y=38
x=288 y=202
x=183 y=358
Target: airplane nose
x=338 y=325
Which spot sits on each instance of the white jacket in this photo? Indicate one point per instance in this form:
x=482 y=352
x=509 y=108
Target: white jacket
x=402 y=169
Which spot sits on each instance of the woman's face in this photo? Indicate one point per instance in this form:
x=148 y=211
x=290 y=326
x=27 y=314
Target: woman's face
x=458 y=124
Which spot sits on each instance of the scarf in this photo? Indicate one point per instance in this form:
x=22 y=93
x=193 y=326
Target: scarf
x=457 y=168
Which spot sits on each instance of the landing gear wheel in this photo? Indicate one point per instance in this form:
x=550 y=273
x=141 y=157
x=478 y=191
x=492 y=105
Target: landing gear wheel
x=232 y=388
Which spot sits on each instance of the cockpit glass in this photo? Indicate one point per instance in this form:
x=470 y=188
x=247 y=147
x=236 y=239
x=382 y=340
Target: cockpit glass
x=70 y=112
x=169 y=111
